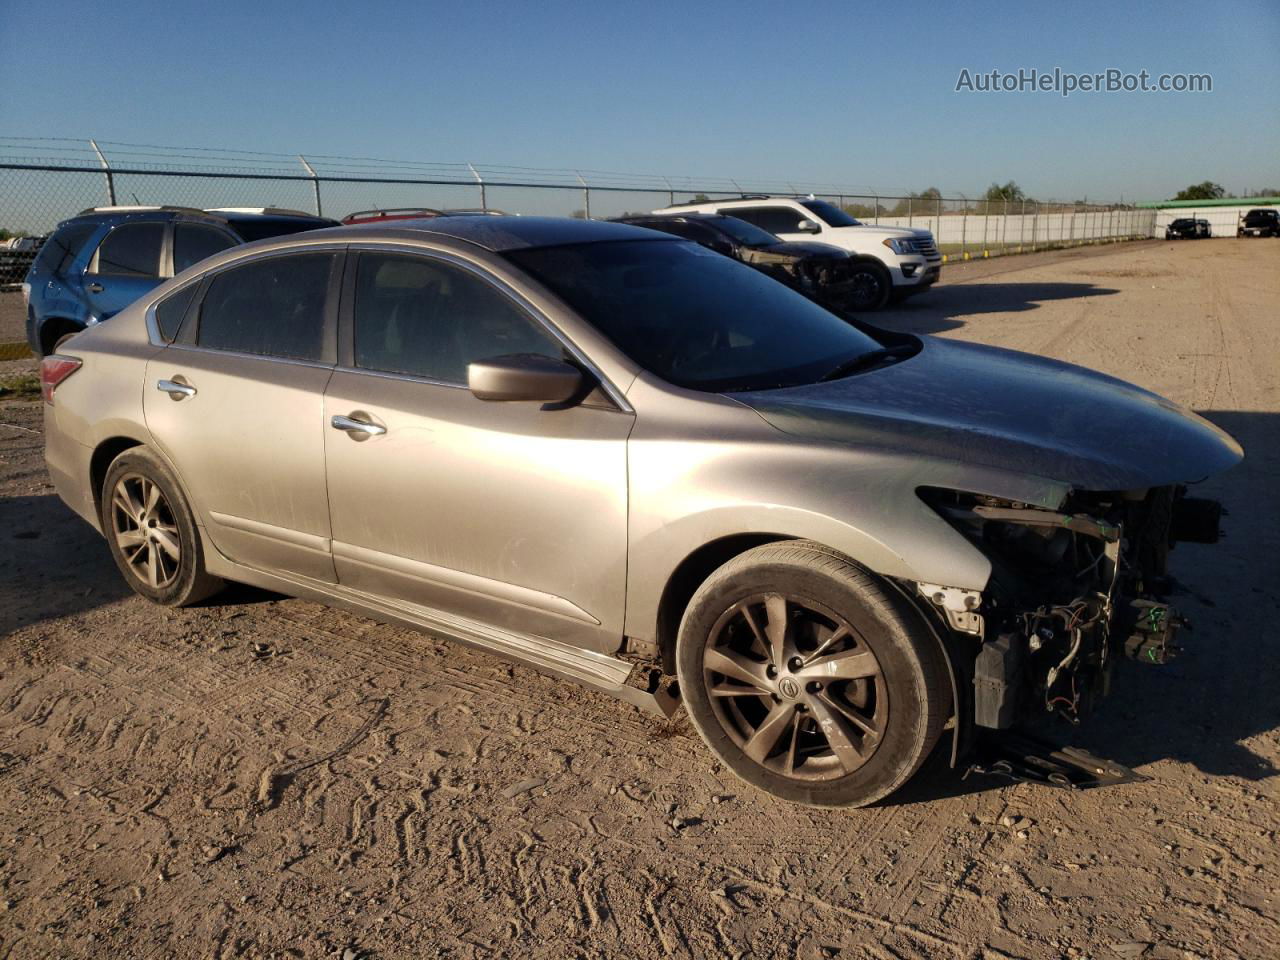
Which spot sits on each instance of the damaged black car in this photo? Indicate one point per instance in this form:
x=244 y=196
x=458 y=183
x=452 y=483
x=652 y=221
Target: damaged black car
x=823 y=273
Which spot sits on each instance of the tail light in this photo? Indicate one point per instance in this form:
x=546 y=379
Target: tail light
x=53 y=370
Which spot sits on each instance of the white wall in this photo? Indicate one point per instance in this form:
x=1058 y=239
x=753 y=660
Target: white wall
x=996 y=232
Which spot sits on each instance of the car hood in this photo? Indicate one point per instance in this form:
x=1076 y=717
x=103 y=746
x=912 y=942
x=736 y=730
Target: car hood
x=897 y=232
x=1011 y=411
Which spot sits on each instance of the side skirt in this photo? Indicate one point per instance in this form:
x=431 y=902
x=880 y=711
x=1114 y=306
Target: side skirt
x=598 y=671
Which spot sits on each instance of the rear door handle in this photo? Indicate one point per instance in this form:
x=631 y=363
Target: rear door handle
x=352 y=425
x=94 y=288
x=176 y=390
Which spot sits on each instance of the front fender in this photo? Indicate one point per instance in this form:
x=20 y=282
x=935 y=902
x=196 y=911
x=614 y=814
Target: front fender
x=738 y=476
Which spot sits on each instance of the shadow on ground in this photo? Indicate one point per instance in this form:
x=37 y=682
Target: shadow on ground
x=52 y=563
x=945 y=306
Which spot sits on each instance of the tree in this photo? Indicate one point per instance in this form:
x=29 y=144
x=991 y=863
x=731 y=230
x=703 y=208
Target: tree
x=1008 y=192
x=921 y=202
x=1265 y=192
x=1208 y=190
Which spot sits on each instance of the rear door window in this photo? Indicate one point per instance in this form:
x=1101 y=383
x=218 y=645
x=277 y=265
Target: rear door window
x=192 y=242
x=131 y=250
x=430 y=319
x=273 y=308
x=774 y=219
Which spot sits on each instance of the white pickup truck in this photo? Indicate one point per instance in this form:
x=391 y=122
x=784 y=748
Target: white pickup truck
x=894 y=261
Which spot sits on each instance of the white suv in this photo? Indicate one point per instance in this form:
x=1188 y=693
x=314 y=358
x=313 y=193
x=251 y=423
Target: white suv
x=894 y=261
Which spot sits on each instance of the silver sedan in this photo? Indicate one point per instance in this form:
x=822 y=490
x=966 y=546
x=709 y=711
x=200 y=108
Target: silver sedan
x=620 y=458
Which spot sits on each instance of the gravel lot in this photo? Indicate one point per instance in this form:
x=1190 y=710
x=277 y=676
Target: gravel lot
x=430 y=801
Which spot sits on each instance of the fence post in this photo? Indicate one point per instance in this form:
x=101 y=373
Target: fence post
x=909 y=199
x=938 y=220
x=876 y=201
x=586 y=196
x=484 y=202
x=315 y=182
x=986 y=215
x=111 y=180
x=964 y=225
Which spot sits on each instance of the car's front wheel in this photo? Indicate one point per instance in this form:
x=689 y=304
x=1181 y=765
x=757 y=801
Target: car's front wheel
x=869 y=287
x=808 y=679
x=152 y=532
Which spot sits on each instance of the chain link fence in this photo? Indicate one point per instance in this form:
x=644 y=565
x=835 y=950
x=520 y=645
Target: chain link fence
x=43 y=181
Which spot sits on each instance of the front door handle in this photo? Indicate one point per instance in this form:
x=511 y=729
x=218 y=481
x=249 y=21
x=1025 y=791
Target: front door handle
x=176 y=389
x=351 y=425
x=94 y=288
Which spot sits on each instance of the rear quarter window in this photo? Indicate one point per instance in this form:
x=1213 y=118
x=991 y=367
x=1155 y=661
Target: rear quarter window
x=61 y=249
x=171 y=310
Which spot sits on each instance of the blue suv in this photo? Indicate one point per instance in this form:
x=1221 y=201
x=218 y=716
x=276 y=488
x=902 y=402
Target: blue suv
x=101 y=260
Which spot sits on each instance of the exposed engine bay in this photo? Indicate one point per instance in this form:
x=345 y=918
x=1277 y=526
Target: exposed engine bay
x=1071 y=592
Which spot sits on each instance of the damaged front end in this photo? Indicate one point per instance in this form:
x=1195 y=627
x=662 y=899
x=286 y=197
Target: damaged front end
x=1071 y=592
x=825 y=277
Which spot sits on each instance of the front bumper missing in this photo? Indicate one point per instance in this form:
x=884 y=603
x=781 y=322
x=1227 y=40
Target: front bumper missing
x=1027 y=760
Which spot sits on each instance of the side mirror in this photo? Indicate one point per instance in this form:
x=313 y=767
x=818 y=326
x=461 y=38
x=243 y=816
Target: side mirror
x=721 y=246
x=524 y=376
x=808 y=226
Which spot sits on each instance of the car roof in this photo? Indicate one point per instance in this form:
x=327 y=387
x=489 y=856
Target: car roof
x=752 y=200
x=242 y=216
x=231 y=216
x=691 y=215
x=497 y=233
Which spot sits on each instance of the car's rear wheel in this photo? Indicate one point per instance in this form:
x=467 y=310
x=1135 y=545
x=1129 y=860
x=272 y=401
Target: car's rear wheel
x=151 y=531
x=869 y=286
x=808 y=679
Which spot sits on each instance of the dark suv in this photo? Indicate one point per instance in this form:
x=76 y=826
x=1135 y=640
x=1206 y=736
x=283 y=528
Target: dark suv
x=820 y=271
x=1188 y=228
x=1259 y=223
x=101 y=260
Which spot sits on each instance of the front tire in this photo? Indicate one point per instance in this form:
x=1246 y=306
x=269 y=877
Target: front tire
x=808 y=679
x=152 y=532
x=869 y=287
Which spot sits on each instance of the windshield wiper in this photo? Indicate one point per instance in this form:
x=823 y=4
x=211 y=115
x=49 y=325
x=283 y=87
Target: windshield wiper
x=865 y=360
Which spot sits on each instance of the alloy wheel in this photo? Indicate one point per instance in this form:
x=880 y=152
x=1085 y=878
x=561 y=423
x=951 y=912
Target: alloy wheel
x=795 y=687
x=866 y=290
x=145 y=530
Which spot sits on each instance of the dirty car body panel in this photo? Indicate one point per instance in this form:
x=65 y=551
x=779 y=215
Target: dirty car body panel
x=988 y=488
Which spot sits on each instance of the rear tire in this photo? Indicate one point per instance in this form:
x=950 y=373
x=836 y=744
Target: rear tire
x=152 y=532
x=808 y=679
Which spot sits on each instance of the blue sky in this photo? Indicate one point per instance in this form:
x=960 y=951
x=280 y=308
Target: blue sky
x=851 y=93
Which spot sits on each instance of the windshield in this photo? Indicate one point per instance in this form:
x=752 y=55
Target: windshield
x=745 y=233
x=830 y=213
x=695 y=318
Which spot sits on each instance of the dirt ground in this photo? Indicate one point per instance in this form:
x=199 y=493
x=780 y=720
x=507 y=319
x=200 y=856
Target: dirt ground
x=265 y=777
